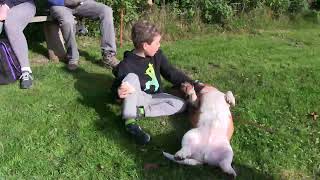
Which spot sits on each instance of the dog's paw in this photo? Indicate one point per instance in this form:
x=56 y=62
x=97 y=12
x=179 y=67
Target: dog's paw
x=178 y=158
x=230 y=98
x=182 y=154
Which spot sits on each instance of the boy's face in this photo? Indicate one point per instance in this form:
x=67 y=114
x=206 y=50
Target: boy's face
x=151 y=49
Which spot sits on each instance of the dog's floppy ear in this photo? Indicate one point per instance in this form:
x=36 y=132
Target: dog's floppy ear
x=188 y=89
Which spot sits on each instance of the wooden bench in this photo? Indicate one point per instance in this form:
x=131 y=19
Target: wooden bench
x=53 y=36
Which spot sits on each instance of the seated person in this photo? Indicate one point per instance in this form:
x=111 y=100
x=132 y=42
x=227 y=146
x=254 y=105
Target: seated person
x=16 y=15
x=138 y=81
x=65 y=10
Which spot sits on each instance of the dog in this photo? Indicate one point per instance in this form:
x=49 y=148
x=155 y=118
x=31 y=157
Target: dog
x=208 y=142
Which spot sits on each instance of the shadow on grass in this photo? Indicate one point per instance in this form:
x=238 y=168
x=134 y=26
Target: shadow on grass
x=95 y=92
x=89 y=57
x=38 y=48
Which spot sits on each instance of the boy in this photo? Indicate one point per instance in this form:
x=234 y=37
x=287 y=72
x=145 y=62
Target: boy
x=138 y=81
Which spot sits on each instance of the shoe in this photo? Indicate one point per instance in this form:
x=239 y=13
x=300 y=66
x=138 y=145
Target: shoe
x=73 y=65
x=109 y=59
x=140 y=112
x=139 y=135
x=25 y=80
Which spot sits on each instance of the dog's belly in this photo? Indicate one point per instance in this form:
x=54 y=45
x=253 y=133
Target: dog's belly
x=217 y=152
x=210 y=149
x=213 y=126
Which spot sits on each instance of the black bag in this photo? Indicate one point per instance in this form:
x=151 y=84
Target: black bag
x=10 y=69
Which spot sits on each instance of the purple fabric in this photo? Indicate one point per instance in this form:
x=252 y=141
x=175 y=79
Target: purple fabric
x=9 y=65
x=8 y=59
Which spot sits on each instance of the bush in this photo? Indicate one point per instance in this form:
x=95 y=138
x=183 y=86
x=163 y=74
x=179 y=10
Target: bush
x=180 y=15
x=298 y=6
x=216 y=11
x=278 y=6
x=314 y=4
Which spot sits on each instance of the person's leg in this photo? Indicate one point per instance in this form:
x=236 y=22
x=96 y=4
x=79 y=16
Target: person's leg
x=67 y=22
x=130 y=108
x=18 y=18
x=164 y=104
x=95 y=10
x=135 y=100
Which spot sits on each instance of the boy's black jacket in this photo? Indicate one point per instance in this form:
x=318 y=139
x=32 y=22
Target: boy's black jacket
x=142 y=67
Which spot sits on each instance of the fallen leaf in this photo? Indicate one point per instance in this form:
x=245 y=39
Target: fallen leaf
x=314 y=115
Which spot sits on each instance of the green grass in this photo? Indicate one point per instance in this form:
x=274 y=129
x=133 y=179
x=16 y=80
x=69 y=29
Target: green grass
x=67 y=126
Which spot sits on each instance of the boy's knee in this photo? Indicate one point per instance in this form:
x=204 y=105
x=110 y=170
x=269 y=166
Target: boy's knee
x=131 y=78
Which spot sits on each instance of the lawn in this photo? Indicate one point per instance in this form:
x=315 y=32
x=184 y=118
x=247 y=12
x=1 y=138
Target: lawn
x=68 y=127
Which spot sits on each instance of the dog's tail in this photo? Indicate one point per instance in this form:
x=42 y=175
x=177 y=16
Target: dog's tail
x=191 y=162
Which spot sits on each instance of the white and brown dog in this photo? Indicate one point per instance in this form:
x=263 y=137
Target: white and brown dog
x=208 y=142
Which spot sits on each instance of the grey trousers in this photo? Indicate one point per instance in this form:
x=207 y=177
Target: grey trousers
x=161 y=104
x=90 y=9
x=17 y=19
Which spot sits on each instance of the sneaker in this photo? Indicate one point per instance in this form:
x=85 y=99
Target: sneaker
x=73 y=65
x=109 y=60
x=25 y=80
x=140 y=112
x=139 y=135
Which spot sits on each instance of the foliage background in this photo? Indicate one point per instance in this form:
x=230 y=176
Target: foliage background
x=183 y=18
x=211 y=11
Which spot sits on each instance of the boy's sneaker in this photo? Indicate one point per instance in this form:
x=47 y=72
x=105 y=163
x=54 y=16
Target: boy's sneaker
x=25 y=80
x=140 y=112
x=109 y=59
x=73 y=65
x=139 y=135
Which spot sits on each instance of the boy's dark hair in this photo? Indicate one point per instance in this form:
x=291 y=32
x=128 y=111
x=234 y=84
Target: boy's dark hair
x=143 y=31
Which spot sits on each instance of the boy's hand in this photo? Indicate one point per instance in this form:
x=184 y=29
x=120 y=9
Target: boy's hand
x=188 y=89
x=125 y=89
x=4 y=8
